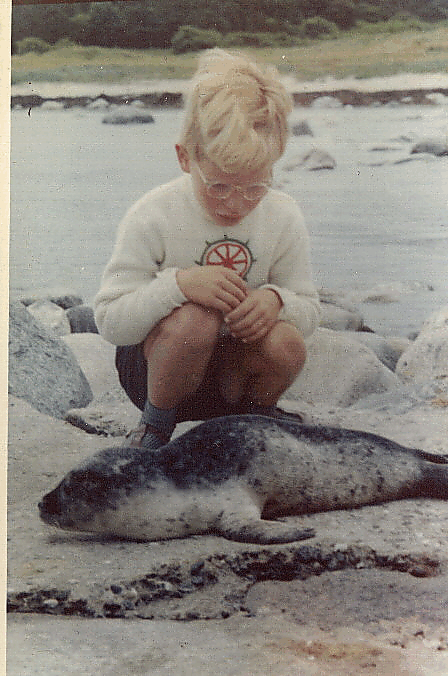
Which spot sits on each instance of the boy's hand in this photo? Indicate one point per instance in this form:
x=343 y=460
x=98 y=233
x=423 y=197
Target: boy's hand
x=255 y=316
x=212 y=286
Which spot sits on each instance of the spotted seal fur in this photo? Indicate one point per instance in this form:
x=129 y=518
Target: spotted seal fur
x=232 y=476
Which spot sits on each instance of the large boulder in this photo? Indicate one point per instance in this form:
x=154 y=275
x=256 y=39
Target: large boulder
x=42 y=369
x=96 y=358
x=438 y=320
x=110 y=413
x=387 y=349
x=339 y=371
x=427 y=357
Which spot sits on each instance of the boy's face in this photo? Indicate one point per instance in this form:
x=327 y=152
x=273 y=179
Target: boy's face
x=230 y=211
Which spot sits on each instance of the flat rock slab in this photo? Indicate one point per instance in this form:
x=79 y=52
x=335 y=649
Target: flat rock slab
x=367 y=595
x=242 y=646
x=55 y=571
x=372 y=599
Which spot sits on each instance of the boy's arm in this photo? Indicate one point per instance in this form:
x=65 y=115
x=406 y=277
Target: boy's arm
x=291 y=275
x=290 y=272
x=135 y=294
x=289 y=293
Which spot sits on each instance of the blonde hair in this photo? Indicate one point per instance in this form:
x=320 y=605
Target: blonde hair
x=236 y=114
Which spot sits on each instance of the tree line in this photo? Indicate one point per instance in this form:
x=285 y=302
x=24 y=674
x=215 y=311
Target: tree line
x=157 y=23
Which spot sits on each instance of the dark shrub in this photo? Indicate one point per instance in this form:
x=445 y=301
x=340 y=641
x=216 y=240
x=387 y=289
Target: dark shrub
x=191 y=39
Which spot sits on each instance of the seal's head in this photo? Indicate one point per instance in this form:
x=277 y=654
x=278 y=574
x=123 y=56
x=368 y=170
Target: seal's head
x=80 y=496
x=99 y=486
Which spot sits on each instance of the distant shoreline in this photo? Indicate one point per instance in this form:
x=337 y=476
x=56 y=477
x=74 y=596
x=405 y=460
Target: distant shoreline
x=408 y=88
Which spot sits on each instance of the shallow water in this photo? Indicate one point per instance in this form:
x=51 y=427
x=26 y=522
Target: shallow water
x=382 y=228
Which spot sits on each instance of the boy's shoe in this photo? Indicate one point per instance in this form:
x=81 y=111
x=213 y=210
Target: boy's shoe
x=147 y=436
x=280 y=414
x=302 y=418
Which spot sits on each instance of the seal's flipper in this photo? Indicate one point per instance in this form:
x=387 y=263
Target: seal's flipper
x=241 y=528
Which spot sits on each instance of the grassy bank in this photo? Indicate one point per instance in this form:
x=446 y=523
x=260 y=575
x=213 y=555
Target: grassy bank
x=358 y=54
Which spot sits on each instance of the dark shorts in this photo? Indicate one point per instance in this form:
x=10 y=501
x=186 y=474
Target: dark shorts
x=206 y=403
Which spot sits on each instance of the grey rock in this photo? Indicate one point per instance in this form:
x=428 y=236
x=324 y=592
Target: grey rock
x=81 y=319
x=339 y=371
x=52 y=105
x=437 y=147
x=301 y=128
x=323 y=102
x=96 y=358
x=437 y=98
x=312 y=159
x=315 y=160
x=406 y=397
x=61 y=297
x=340 y=319
x=51 y=316
x=386 y=147
x=337 y=298
x=388 y=350
x=426 y=358
x=98 y=104
x=111 y=414
x=338 y=313
x=438 y=320
x=42 y=369
x=128 y=117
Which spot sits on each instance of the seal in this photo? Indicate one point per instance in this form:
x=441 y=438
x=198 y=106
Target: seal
x=234 y=476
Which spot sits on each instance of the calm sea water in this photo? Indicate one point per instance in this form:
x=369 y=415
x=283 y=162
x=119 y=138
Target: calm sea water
x=376 y=225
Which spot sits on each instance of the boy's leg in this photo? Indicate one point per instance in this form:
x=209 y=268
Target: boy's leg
x=256 y=375
x=177 y=351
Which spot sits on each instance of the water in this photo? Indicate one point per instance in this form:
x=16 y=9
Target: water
x=382 y=228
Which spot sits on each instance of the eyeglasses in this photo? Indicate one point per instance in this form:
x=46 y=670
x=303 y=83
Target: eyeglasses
x=222 y=191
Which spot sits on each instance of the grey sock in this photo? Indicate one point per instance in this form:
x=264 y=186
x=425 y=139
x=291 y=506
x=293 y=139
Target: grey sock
x=163 y=420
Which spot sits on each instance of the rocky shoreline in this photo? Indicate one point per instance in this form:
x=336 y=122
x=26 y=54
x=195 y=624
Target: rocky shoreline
x=66 y=405
x=170 y=99
x=406 y=89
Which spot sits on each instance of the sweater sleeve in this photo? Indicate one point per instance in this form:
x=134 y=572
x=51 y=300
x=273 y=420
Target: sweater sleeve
x=290 y=275
x=136 y=292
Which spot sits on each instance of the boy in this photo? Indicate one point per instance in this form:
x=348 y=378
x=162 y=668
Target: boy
x=208 y=292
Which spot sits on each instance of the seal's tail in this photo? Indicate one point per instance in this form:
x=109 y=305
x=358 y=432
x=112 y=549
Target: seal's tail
x=434 y=483
x=432 y=457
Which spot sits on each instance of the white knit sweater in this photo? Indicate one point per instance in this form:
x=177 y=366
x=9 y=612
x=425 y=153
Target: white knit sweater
x=167 y=230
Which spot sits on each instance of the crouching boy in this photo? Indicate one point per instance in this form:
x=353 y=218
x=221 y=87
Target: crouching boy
x=208 y=294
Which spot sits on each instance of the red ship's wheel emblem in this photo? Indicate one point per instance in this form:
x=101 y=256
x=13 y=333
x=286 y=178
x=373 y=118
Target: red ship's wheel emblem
x=230 y=253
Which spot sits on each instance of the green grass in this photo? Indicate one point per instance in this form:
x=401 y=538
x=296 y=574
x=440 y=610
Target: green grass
x=357 y=54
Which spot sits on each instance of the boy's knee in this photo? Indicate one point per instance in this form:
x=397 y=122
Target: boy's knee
x=285 y=348
x=196 y=321
x=189 y=324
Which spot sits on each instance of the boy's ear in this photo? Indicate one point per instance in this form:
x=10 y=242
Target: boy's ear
x=183 y=158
